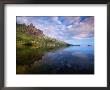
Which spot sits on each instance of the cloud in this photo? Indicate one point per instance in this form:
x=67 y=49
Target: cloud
x=83 y=30
x=56 y=19
x=66 y=28
x=68 y=20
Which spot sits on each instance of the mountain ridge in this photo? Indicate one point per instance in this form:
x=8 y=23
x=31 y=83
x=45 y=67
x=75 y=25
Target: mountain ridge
x=31 y=36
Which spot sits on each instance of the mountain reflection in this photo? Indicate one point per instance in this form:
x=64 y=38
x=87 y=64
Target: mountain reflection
x=69 y=60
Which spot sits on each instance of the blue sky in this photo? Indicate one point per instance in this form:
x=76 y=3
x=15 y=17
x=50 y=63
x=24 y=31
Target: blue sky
x=70 y=29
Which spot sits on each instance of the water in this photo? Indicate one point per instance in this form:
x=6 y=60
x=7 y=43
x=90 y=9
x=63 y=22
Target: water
x=69 y=60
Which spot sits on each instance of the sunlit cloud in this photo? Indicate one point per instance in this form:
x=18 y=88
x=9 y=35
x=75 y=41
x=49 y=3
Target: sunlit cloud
x=70 y=29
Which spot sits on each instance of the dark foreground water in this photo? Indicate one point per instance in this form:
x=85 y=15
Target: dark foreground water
x=69 y=60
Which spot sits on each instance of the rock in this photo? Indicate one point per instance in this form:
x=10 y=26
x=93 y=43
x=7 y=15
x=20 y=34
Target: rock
x=34 y=31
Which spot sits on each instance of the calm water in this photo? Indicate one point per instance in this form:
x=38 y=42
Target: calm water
x=69 y=60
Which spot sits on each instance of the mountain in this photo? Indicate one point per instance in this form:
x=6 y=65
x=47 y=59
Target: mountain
x=31 y=46
x=33 y=31
x=32 y=36
x=30 y=29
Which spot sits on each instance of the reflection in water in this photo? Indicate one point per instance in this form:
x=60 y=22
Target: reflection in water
x=69 y=60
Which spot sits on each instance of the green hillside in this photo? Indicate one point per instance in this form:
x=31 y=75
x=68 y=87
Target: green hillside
x=36 y=41
x=31 y=45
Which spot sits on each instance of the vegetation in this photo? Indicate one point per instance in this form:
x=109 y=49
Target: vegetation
x=31 y=45
x=37 y=41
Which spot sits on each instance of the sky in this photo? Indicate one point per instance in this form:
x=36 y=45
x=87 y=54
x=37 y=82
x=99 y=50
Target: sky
x=70 y=29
